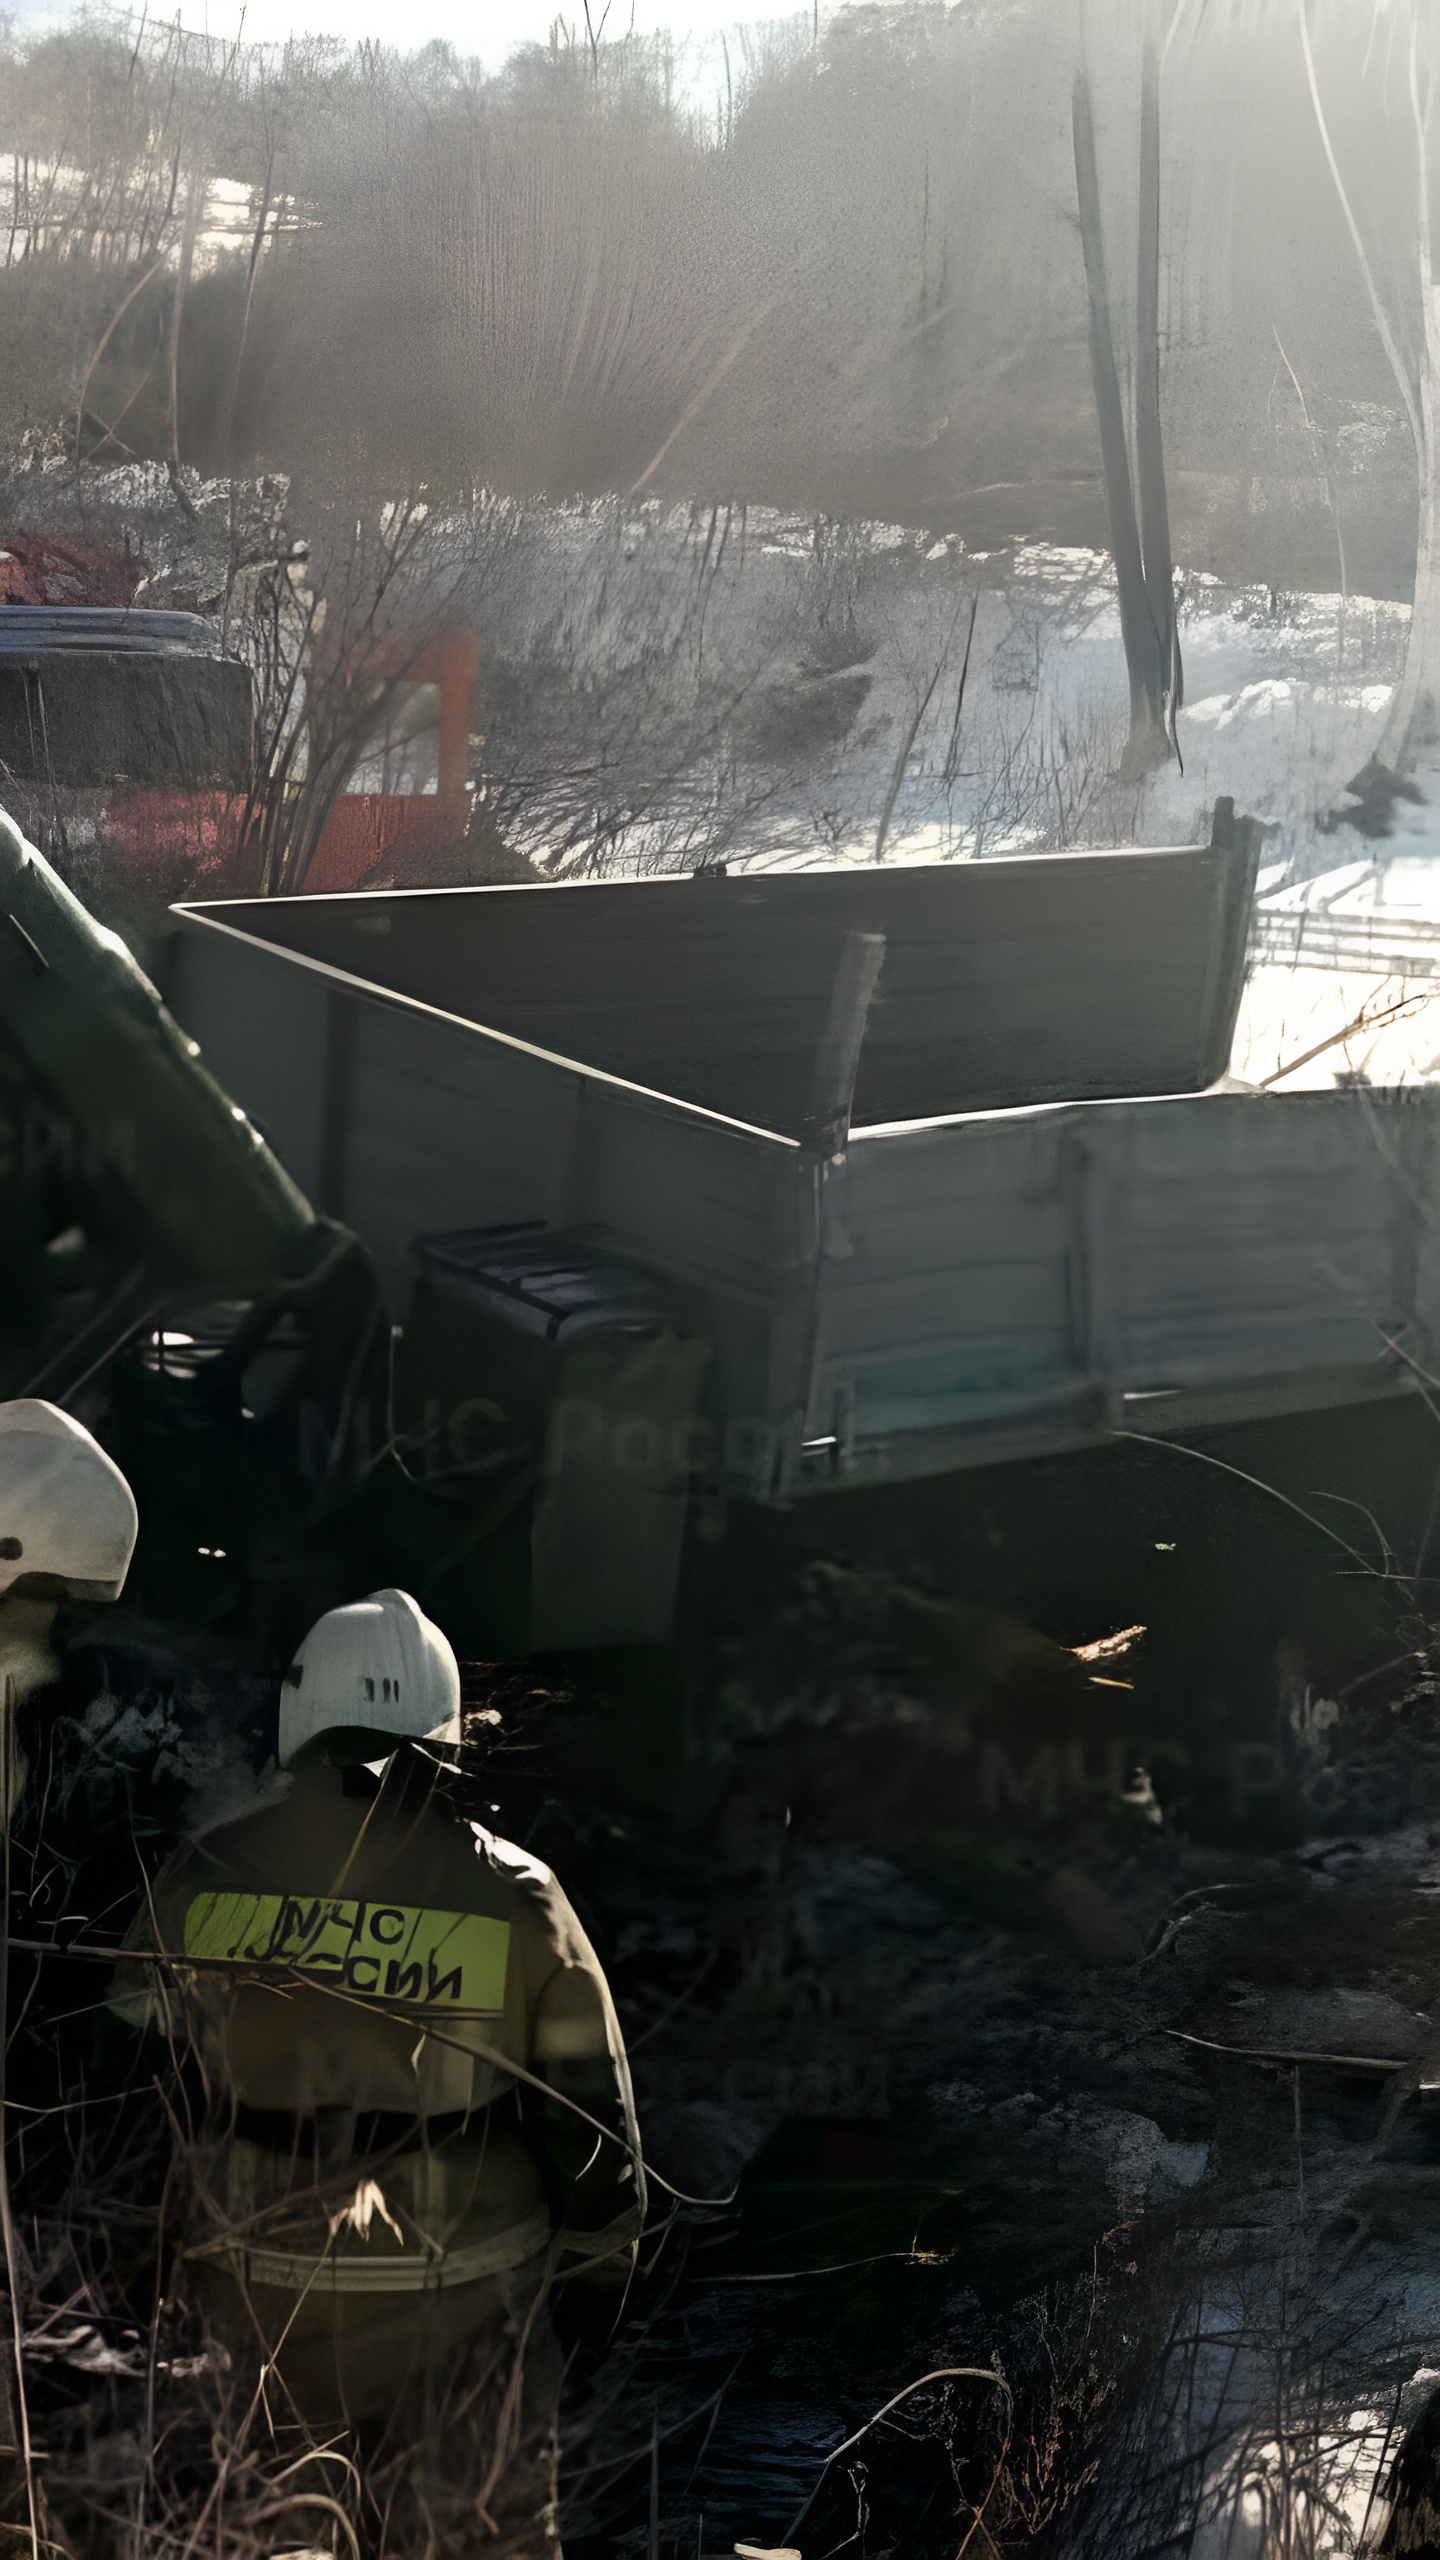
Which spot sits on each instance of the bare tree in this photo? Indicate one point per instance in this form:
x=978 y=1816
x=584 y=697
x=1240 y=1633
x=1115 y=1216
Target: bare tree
x=1140 y=541
x=1411 y=340
x=333 y=623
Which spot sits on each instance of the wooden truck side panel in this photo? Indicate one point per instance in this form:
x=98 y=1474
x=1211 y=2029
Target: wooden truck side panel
x=405 y=1122
x=952 y=1292
x=1126 y=1265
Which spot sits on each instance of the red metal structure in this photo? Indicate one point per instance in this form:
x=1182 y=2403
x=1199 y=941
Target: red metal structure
x=371 y=833
x=35 y=568
x=368 y=830
x=408 y=807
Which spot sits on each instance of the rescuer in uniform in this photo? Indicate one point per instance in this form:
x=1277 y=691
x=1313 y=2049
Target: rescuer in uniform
x=68 y=1525
x=67 y=1532
x=421 y=2110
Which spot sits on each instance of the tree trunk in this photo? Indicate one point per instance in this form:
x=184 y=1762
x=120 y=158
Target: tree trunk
x=1412 y=731
x=1149 y=448
x=1148 y=744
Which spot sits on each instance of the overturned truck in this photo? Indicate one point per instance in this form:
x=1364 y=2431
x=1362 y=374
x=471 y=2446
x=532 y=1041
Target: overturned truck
x=764 y=1190
x=653 y=1206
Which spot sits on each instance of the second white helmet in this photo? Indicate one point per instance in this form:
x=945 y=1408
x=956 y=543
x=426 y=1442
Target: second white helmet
x=67 y=1516
x=366 y=1677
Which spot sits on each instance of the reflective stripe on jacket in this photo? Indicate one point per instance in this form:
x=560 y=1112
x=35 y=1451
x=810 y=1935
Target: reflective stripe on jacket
x=376 y=1952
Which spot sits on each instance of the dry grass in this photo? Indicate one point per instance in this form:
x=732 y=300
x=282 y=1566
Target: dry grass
x=156 y=2436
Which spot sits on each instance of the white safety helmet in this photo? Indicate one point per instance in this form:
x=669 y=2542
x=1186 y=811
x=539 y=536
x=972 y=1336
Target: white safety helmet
x=66 y=1511
x=366 y=1678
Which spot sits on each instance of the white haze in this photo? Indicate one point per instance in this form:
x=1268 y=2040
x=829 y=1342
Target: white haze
x=483 y=30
